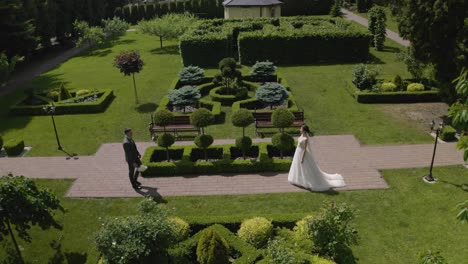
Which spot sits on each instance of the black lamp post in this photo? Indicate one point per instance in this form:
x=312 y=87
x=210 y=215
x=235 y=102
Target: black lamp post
x=429 y=178
x=50 y=109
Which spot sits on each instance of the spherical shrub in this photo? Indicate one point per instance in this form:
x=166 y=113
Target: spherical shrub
x=272 y=93
x=185 y=95
x=203 y=141
x=282 y=118
x=262 y=70
x=54 y=95
x=242 y=118
x=191 y=75
x=82 y=92
x=415 y=87
x=163 y=117
x=227 y=63
x=282 y=141
x=165 y=140
x=201 y=117
x=212 y=248
x=14 y=147
x=244 y=143
x=388 y=87
x=256 y=231
x=180 y=228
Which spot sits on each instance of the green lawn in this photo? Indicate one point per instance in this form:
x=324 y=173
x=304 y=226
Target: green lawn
x=392 y=24
x=319 y=89
x=394 y=225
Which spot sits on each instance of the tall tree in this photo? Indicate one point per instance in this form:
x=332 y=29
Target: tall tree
x=129 y=63
x=16 y=31
x=22 y=205
x=434 y=28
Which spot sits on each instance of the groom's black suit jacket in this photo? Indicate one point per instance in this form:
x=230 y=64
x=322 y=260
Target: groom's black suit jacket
x=131 y=151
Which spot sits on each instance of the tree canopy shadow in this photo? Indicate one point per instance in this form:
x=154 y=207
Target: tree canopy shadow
x=463 y=186
x=146 y=108
x=151 y=192
x=391 y=49
x=173 y=50
x=66 y=257
x=98 y=53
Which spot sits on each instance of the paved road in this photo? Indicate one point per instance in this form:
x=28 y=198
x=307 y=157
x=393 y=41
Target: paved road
x=105 y=173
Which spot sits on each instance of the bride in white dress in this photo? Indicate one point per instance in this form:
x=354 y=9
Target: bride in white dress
x=305 y=172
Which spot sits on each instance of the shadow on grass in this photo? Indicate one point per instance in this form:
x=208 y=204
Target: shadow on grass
x=151 y=192
x=146 y=108
x=68 y=257
x=173 y=50
x=11 y=256
x=391 y=49
x=374 y=60
x=98 y=53
x=463 y=186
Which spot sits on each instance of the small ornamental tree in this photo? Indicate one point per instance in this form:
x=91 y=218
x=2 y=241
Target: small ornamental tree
x=263 y=70
x=129 y=63
x=377 y=26
x=164 y=118
x=115 y=26
x=191 y=75
x=230 y=77
x=364 y=77
x=88 y=34
x=212 y=248
x=22 y=205
x=64 y=93
x=186 y=95
x=336 y=9
x=243 y=118
x=272 y=93
x=202 y=118
x=282 y=118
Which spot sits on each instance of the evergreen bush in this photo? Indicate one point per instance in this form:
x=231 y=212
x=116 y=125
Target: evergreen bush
x=282 y=118
x=336 y=9
x=448 y=133
x=256 y=231
x=191 y=75
x=212 y=248
x=64 y=93
x=283 y=142
x=165 y=141
x=244 y=143
x=364 y=77
x=82 y=92
x=388 y=87
x=272 y=93
x=203 y=142
x=377 y=26
x=398 y=81
x=201 y=118
x=263 y=70
x=14 y=147
x=163 y=117
x=279 y=252
x=180 y=228
x=184 y=96
x=242 y=118
x=415 y=87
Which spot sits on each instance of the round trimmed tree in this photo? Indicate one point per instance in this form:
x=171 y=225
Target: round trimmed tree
x=186 y=95
x=263 y=70
x=272 y=93
x=282 y=118
x=202 y=118
x=164 y=118
x=243 y=118
x=129 y=63
x=229 y=75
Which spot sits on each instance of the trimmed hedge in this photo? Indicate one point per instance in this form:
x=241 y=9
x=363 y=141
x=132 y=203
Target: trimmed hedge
x=14 y=147
x=448 y=133
x=214 y=107
x=100 y=105
x=293 y=40
x=241 y=94
x=226 y=165
x=253 y=103
x=397 y=97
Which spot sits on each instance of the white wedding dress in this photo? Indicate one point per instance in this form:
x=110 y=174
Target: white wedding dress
x=308 y=174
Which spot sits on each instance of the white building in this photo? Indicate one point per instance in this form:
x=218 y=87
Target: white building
x=251 y=8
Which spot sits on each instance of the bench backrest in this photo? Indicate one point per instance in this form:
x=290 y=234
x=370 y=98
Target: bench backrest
x=181 y=120
x=266 y=116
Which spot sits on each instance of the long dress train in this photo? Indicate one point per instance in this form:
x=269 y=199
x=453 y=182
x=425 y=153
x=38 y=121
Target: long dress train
x=308 y=174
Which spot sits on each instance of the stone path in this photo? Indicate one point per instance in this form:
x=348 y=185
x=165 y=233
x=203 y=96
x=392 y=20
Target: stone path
x=105 y=173
x=363 y=21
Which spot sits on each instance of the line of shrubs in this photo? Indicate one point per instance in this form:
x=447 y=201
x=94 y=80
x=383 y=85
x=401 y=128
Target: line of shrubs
x=12 y=147
x=286 y=40
x=100 y=105
x=397 y=97
x=189 y=155
x=254 y=104
x=214 y=9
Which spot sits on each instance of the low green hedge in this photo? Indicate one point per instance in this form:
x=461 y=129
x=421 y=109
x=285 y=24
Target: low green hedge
x=241 y=94
x=100 y=105
x=397 y=97
x=252 y=103
x=14 y=147
x=214 y=107
x=226 y=165
x=448 y=133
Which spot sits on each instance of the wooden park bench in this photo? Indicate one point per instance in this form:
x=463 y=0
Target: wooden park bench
x=263 y=120
x=179 y=124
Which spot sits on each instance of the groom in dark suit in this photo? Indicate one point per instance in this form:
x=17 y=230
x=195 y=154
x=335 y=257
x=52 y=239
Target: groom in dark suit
x=132 y=156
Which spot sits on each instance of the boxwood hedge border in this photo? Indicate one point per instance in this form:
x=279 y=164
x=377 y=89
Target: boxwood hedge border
x=397 y=97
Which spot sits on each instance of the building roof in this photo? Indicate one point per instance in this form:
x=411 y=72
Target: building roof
x=251 y=2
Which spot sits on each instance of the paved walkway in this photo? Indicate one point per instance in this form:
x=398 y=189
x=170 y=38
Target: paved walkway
x=363 y=21
x=105 y=173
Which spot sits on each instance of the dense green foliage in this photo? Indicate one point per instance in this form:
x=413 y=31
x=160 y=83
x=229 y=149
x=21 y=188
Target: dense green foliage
x=397 y=97
x=129 y=62
x=263 y=71
x=414 y=87
x=377 y=26
x=7 y=65
x=459 y=111
x=163 y=117
x=279 y=253
x=14 y=147
x=201 y=118
x=388 y=87
x=256 y=231
x=242 y=118
x=272 y=94
x=88 y=34
x=336 y=9
x=448 y=133
x=432 y=257
x=212 y=248
x=283 y=142
x=282 y=118
x=191 y=75
x=180 y=227
x=364 y=76
x=115 y=26
x=184 y=96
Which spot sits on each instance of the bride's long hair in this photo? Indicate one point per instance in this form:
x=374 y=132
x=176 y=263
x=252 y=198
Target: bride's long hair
x=306 y=129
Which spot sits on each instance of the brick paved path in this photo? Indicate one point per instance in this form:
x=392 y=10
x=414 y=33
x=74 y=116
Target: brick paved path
x=390 y=34
x=105 y=173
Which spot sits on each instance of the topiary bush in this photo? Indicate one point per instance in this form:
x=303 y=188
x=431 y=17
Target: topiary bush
x=203 y=142
x=377 y=26
x=191 y=75
x=415 y=87
x=230 y=77
x=242 y=118
x=364 y=77
x=212 y=248
x=165 y=141
x=186 y=95
x=82 y=92
x=398 y=81
x=263 y=71
x=283 y=142
x=201 y=118
x=448 y=133
x=163 y=118
x=272 y=93
x=282 y=118
x=256 y=231
x=180 y=228
x=244 y=143
x=388 y=87
x=14 y=147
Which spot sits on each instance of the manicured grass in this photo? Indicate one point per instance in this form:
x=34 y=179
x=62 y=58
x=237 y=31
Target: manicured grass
x=395 y=225
x=320 y=89
x=392 y=24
